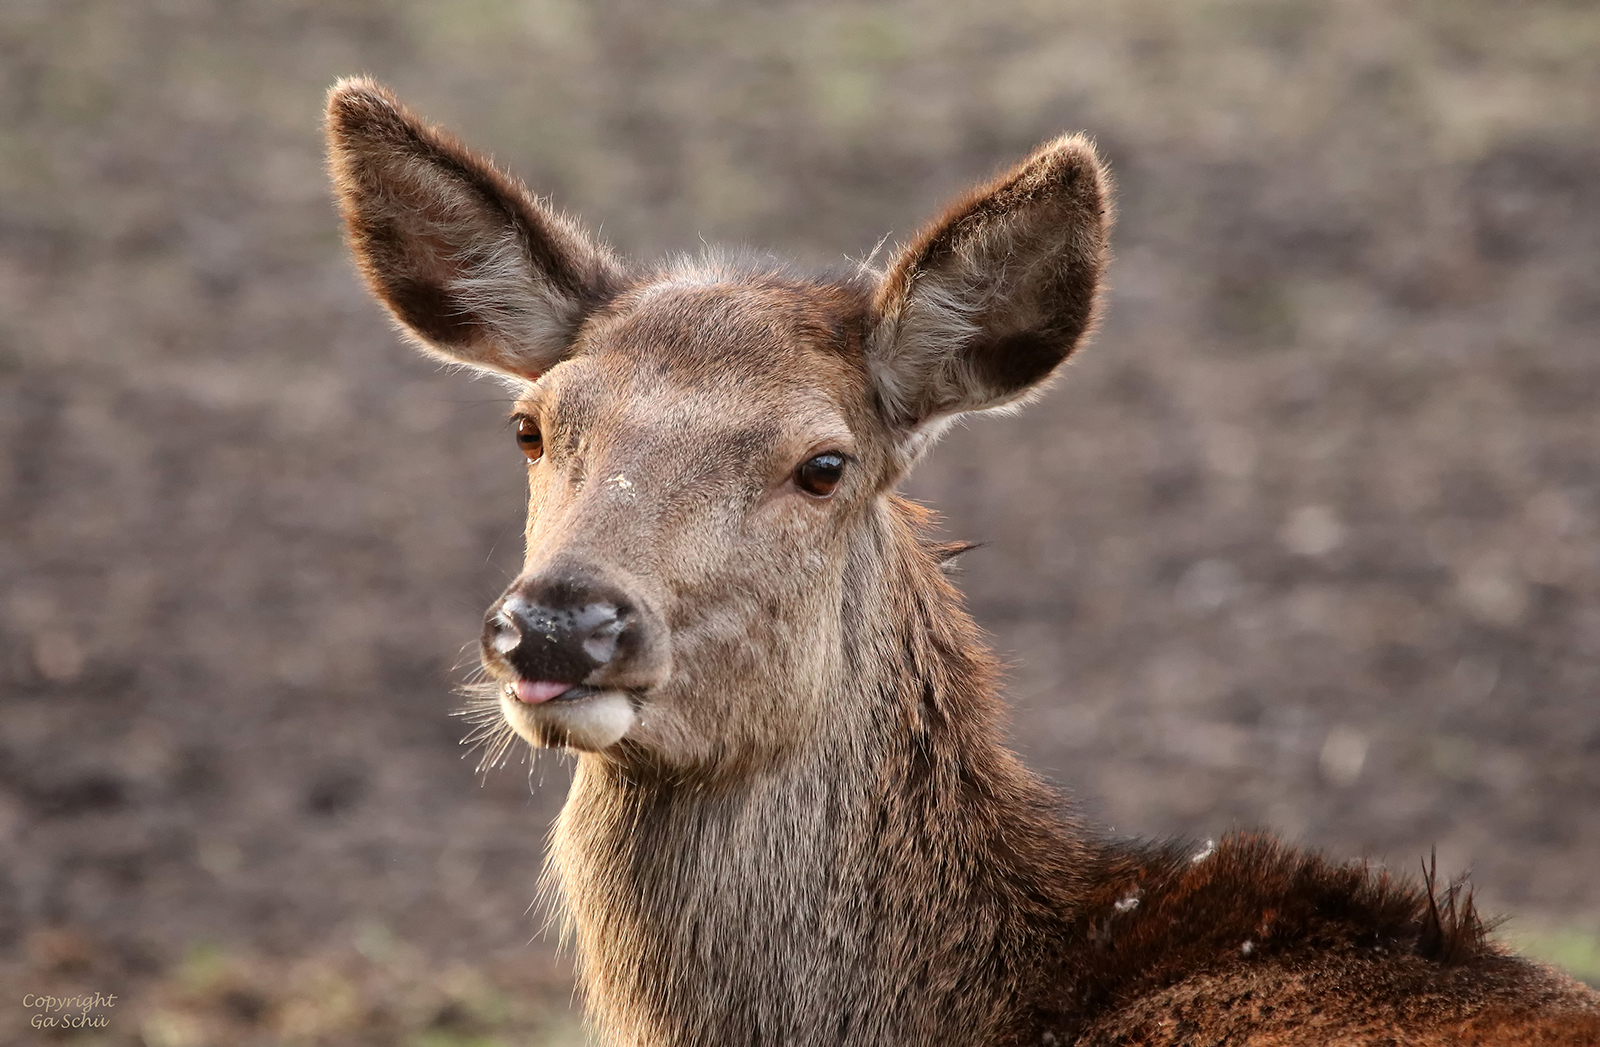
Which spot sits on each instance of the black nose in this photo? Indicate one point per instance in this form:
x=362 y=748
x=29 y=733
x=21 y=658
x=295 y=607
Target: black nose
x=560 y=631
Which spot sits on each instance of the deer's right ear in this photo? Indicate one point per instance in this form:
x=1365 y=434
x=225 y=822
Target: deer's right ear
x=983 y=305
x=469 y=261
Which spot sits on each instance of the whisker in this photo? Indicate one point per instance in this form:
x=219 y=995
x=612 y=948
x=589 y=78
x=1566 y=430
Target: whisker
x=489 y=735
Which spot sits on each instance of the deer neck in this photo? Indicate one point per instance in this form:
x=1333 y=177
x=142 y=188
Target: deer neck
x=883 y=885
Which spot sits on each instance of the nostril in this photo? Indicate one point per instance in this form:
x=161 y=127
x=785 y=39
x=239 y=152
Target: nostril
x=601 y=643
x=505 y=635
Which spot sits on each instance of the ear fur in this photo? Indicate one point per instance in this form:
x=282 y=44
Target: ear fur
x=980 y=308
x=469 y=262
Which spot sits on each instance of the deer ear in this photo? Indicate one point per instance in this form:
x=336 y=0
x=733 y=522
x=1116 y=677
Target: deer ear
x=984 y=304
x=470 y=262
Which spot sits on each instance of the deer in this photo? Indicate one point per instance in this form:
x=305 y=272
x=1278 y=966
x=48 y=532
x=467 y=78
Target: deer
x=794 y=818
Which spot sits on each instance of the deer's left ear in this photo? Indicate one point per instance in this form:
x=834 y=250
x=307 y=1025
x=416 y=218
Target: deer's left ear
x=984 y=304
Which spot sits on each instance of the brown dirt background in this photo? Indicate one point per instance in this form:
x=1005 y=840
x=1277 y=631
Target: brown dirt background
x=1307 y=539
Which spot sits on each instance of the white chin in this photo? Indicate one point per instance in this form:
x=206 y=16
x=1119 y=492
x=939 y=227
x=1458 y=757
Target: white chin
x=591 y=724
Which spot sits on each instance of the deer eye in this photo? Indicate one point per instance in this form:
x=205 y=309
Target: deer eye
x=529 y=440
x=821 y=474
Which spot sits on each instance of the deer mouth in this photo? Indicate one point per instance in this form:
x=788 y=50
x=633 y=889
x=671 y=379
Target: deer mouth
x=551 y=714
x=537 y=692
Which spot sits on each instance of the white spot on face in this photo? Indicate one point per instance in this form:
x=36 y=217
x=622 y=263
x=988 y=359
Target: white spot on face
x=1128 y=904
x=1247 y=948
x=1205 y=852
x=619 y=482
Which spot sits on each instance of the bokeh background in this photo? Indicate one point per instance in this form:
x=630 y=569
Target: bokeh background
x=1308 y=539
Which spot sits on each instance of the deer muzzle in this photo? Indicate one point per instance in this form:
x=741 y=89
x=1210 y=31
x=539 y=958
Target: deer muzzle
x=574 y=652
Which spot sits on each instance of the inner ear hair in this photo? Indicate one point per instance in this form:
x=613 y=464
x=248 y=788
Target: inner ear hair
x=988 y=300
x=470 y=263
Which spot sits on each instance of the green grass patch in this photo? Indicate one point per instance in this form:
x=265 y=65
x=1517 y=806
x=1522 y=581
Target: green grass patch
x=1574 y=950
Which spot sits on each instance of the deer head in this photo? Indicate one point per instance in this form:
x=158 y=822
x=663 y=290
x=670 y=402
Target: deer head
x=712 y=448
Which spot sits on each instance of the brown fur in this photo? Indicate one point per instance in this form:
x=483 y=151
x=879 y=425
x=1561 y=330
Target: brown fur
x=794 y=820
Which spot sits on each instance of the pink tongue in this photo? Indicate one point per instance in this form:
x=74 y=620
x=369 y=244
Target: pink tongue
x=535 y=691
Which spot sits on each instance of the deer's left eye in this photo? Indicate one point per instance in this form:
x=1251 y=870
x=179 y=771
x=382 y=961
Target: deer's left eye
x=530 y=439
x=819 y=475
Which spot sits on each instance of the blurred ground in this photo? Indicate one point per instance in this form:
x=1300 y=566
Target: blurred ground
x=1308 y=538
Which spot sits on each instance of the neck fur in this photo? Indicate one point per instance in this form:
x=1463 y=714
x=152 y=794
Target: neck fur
x=885 y=884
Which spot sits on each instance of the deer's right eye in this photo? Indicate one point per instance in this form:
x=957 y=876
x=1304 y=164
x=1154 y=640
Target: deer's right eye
x=529 y=439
